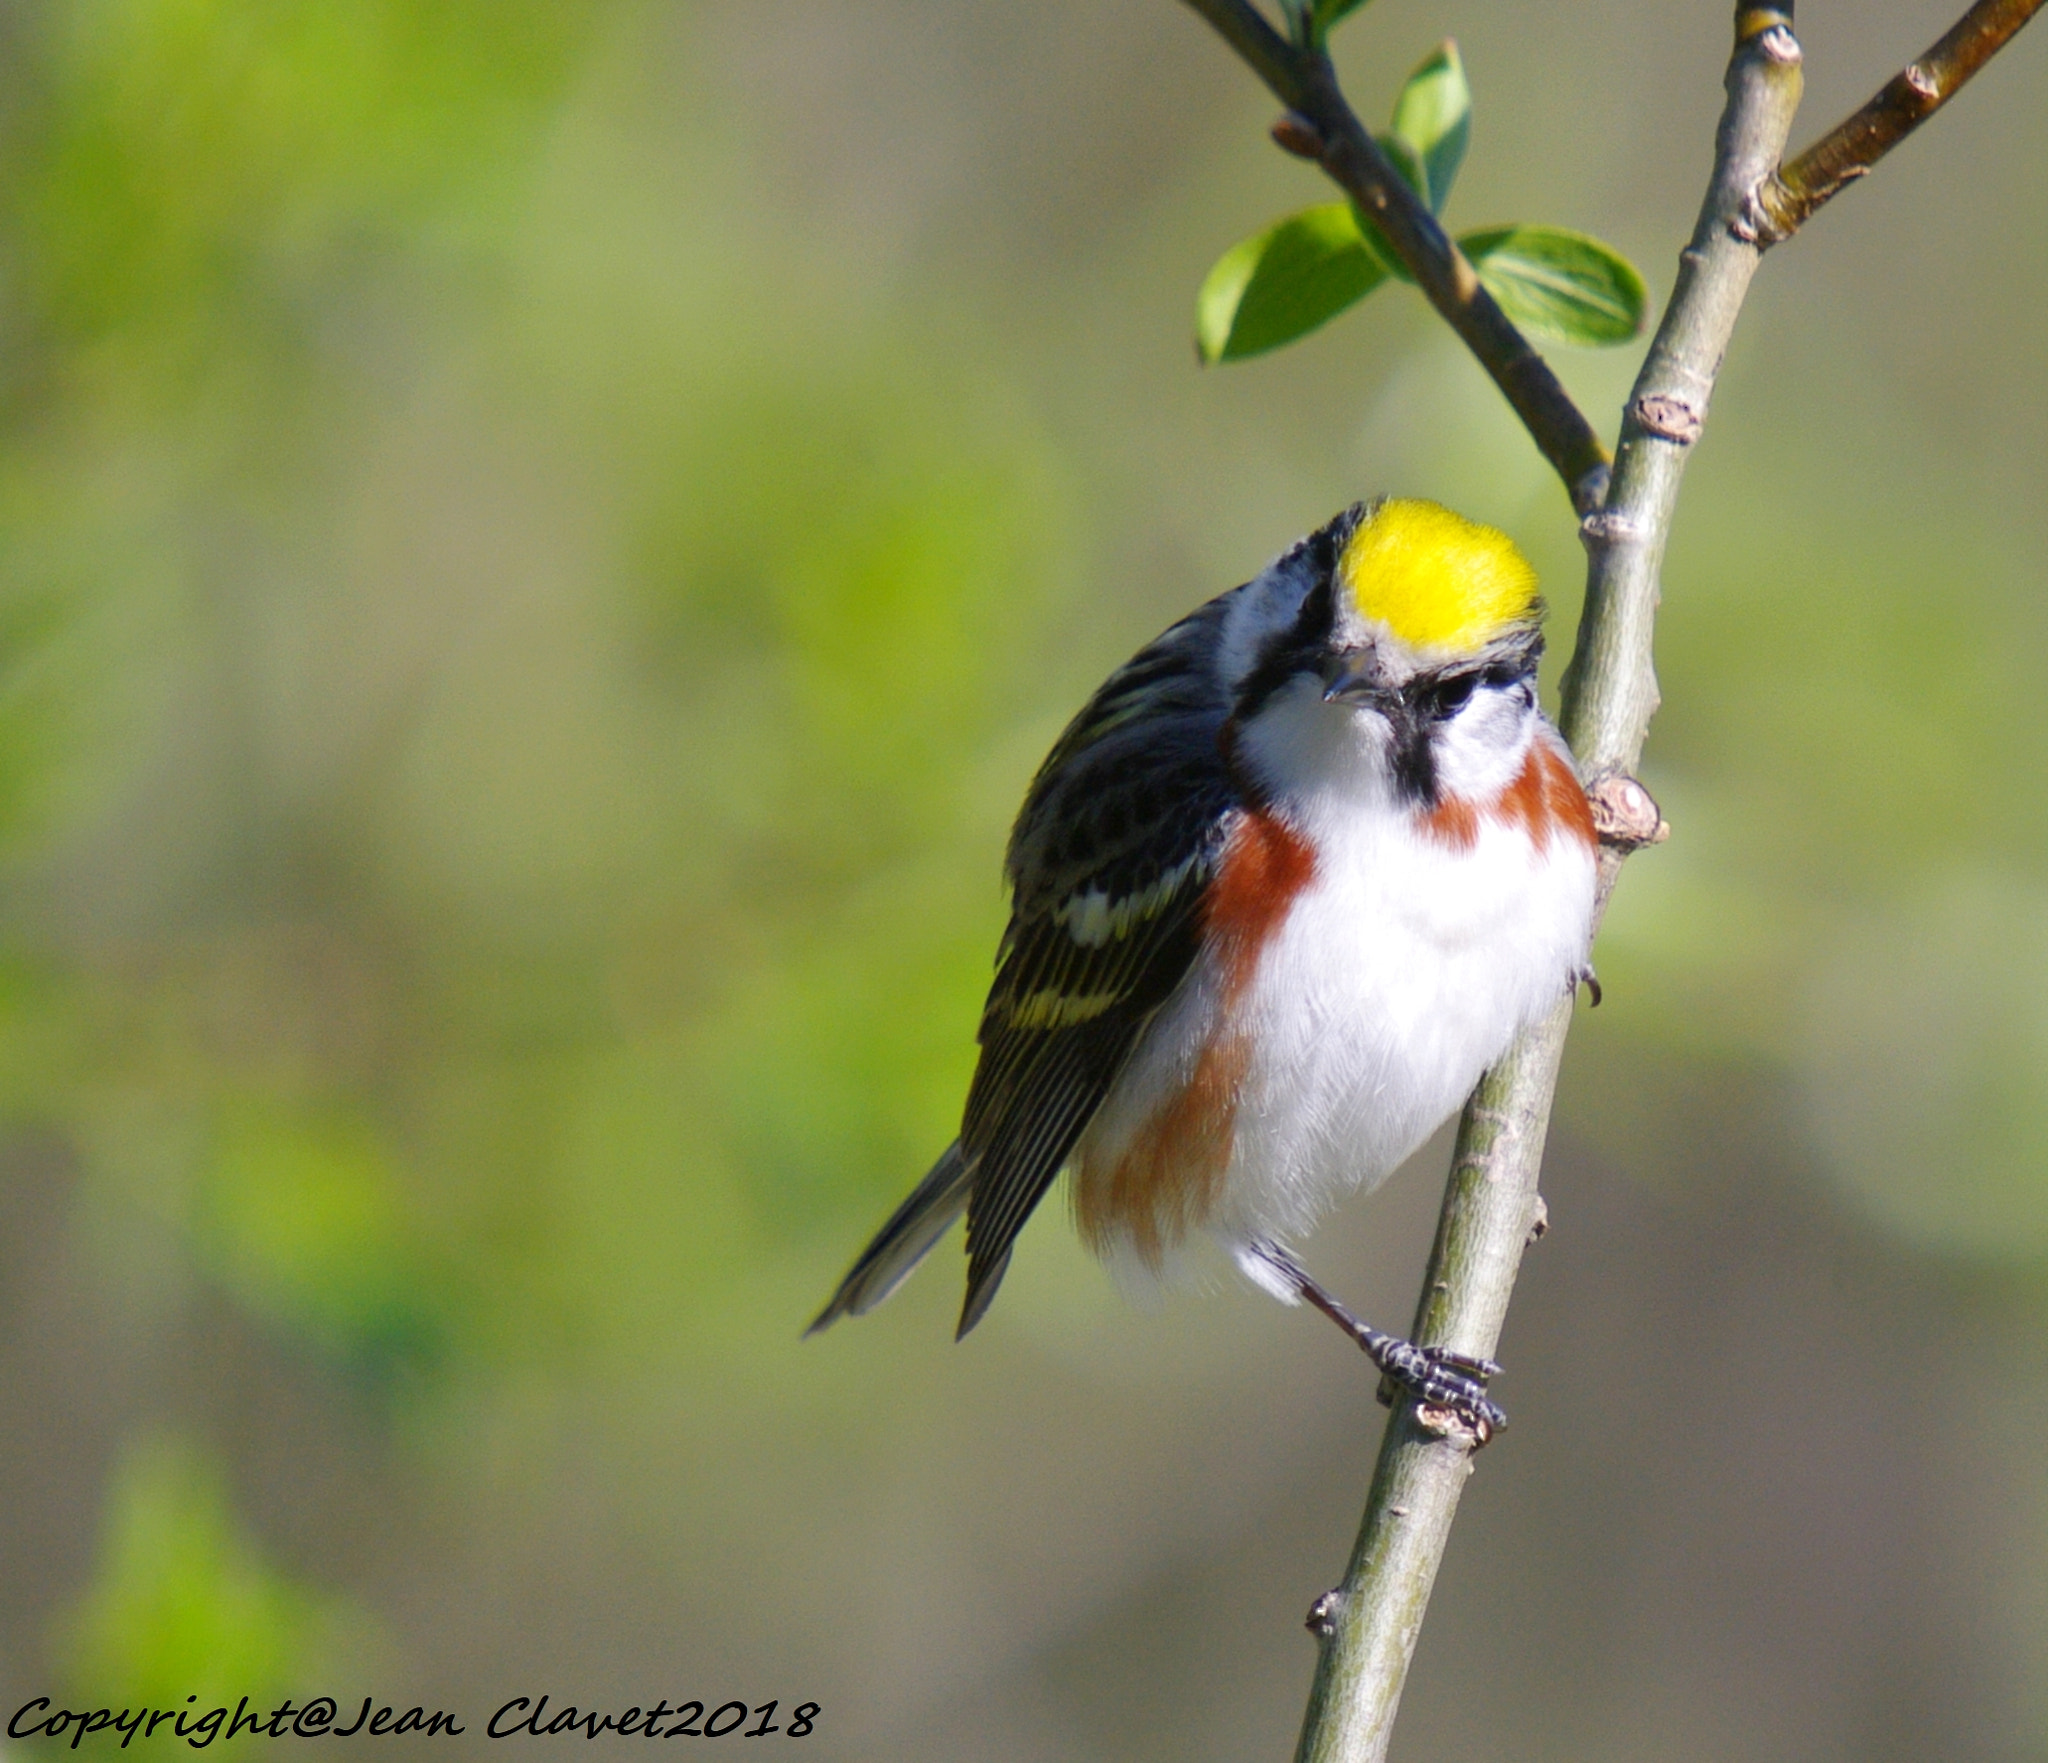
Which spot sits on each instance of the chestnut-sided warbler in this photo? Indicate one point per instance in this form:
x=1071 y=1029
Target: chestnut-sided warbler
x=1291 y=880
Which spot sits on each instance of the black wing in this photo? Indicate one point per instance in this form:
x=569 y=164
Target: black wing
x=1118 y=837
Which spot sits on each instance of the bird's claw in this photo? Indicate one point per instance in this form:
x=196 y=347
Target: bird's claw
x=1445 y=1382
x=1469 y=1364
x=1437 y=1377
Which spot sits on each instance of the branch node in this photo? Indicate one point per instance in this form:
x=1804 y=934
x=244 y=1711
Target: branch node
x=1539 y=1225
x=1755 y=21
x=1294 y=133
x=1669 y=418
x=1752 y=223
x=1923 y=83
x=1771 y=212
x=1625 y=815
x=1780 y=45
x=1608 y=527
x=1323 y=1613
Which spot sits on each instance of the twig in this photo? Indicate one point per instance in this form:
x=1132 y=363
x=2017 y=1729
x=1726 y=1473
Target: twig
x=1370 y=1623
x=1324 y=127
x=1849 y=149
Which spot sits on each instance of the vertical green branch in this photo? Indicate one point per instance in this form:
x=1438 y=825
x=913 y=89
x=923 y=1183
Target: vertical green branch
x=1369 y=1625
x=1297 y=274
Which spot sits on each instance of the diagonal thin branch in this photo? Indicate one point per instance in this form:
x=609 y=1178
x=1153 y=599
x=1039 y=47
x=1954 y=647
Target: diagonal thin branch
x=1259 y=46
x=1324 y=127
x=1849 y=149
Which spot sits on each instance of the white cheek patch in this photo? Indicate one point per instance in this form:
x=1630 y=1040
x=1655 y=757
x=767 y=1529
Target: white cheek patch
x=1298 y=735
x=1480 y=751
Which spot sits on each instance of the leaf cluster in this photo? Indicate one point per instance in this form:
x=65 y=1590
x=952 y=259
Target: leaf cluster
x=1557 y=285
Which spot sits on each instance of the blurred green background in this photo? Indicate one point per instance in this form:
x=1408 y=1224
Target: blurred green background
x=543 y=539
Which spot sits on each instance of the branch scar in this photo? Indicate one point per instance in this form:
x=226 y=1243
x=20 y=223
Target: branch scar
x=1668 y=418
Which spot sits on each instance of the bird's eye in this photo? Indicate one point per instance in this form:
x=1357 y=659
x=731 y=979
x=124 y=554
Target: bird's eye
x=1452 y=695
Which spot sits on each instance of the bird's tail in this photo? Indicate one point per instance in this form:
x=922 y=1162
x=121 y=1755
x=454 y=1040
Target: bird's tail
x=904 y=1241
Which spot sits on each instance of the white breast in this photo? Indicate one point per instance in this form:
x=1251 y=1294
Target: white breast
x=1399 y=974
x=1403 y=971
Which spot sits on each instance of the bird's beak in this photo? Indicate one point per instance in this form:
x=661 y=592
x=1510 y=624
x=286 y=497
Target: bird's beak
x=1357 y=679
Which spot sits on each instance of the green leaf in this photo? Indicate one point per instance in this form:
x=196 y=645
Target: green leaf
x=1559 y=286
x=1433 y=120
x=1281 y=283
x=1327 y=13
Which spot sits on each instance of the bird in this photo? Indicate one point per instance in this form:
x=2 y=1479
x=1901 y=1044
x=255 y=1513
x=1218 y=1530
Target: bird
x=1294 y=876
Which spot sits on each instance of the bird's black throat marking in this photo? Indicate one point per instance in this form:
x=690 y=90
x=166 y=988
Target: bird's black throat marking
x=1411 y=750
x=1411 y=733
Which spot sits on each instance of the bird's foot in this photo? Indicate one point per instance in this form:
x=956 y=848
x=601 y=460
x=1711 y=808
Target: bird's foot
x=1438 y=1378
x=1448 y=1383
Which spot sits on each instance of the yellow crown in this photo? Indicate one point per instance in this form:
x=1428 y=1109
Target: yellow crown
x=1435 y=579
